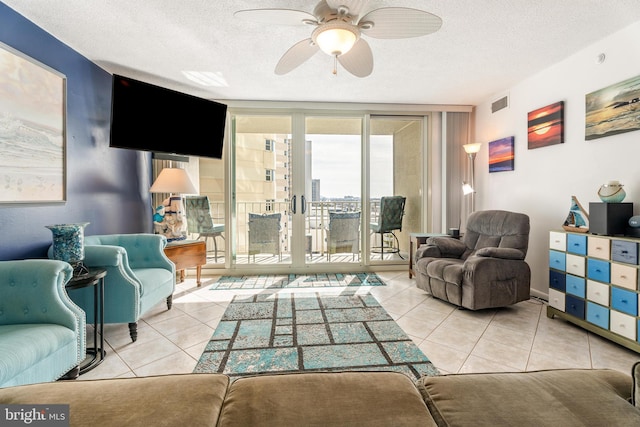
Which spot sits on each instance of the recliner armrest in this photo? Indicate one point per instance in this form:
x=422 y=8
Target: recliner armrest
x=503 y=253
x=441 y=247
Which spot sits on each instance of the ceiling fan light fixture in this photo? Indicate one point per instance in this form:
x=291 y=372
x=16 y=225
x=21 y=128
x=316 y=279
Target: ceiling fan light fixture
x=335 y=38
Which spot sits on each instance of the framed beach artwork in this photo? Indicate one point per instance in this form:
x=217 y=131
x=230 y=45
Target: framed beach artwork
x=612 y=110
x=32 y=130
x=501 y=155
x=545 y=126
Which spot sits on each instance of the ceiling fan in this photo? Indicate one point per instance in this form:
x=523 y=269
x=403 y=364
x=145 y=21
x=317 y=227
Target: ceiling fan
x=338 y=29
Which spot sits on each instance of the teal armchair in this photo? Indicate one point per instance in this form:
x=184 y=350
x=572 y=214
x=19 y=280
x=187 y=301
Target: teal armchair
x=42 y=332
x=139 y=276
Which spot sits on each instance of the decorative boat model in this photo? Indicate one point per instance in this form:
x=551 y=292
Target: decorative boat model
x=577 y=219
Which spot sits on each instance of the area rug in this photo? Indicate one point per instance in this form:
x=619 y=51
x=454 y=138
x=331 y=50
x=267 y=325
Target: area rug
x=311 y=332
x=277 y=281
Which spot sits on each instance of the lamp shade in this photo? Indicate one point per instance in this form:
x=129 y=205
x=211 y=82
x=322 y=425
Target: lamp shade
x=472 y=148
x=336 y=37
x=173 y=180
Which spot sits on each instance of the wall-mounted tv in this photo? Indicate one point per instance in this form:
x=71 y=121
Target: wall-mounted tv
x=152 y=118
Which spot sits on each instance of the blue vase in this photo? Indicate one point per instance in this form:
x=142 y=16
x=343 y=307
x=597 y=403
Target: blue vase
x=68 y=242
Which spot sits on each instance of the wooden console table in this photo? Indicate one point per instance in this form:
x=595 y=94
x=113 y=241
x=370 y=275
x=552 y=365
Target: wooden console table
x=187 y=254
x=415 y=240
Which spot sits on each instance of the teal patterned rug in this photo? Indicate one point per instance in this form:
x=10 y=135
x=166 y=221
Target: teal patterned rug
x=278 y=281
x=312 y=332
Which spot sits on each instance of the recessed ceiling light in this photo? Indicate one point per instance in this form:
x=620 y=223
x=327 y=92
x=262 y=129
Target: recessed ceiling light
x=206 y=78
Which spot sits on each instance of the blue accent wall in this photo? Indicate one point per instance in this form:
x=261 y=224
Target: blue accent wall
x=107 y=187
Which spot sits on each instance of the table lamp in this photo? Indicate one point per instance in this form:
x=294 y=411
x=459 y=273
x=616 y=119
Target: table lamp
x=171 y=222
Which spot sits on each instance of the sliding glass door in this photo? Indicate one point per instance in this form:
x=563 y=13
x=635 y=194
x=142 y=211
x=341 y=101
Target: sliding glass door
x=395 y=191
x=307 y=190
x=333 y=214
x=262 y=189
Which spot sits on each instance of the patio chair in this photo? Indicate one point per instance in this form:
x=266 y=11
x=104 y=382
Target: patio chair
x=264 y=234
x=343 y=233
x=200 y=221
x=390 y=219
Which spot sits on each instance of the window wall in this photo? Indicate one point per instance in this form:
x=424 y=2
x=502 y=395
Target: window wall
x=281 y=162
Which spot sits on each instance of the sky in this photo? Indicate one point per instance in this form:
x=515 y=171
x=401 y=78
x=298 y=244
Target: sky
x=336 y=163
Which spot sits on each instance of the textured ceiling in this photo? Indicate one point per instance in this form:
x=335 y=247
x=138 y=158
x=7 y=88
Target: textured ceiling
x=483 y=47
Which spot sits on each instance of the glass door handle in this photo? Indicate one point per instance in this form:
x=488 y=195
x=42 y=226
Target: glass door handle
x=292 y=206
x=304 y=204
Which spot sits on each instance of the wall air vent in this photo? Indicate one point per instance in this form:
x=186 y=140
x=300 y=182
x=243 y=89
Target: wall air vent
x=500 y=104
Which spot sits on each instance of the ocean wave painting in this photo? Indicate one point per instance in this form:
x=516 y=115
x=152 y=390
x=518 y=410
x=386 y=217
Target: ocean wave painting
x=32 y=130
x=501 y=155
x=612 y=110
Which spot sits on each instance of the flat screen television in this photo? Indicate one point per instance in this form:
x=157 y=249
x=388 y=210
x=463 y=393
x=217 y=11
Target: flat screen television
x=152 y=118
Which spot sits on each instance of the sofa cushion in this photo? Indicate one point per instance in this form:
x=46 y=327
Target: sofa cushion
x=325 y=399
x=23 y=346
x=569 y=397
x=171 y=400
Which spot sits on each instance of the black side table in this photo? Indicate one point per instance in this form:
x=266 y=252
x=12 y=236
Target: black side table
x=95 y=278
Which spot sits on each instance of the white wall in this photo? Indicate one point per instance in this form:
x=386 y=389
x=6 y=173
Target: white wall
x=545 y=178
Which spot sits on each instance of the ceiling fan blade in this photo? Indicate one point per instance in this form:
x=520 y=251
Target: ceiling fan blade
x=356 y=7
x=359 y=60
x=275 y=16
x=400 y=23
x=296 y=55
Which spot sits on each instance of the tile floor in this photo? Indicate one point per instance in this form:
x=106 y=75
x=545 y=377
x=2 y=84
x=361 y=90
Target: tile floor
x=517 y=338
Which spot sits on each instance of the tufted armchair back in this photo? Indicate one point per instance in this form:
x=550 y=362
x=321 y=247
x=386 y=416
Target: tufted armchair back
x=33 y=291
x=142 y=250
x=496 y=229
x=42 y=332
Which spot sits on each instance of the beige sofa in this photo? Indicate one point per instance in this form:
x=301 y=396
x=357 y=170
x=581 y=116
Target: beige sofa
x=543 y=398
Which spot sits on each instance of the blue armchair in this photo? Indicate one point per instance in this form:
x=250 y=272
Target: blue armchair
x=42 y=332
x=139 y=276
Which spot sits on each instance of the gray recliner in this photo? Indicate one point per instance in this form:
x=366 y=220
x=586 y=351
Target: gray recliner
x=484 y=269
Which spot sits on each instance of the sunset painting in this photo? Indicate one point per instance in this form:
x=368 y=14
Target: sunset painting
x=546 y=126
x=501 y=155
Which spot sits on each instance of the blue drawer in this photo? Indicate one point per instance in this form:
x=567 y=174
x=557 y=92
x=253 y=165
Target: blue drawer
x=624 y=251
x=557 y=280
x=557 y=260
x=598 y=270
x=598 y=315
x=577 y=244
x=624 y=301
x=576 y=286
x=574 y=306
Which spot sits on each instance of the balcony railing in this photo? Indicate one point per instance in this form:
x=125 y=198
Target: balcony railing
x=316 y=222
